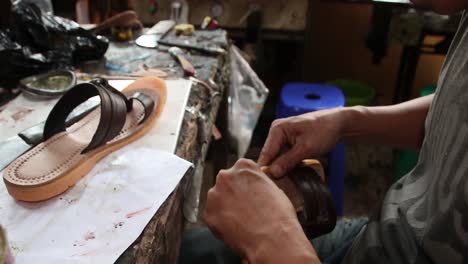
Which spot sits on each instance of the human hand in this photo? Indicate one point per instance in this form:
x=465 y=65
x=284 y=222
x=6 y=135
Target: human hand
x=253 y=216
x=293 y=139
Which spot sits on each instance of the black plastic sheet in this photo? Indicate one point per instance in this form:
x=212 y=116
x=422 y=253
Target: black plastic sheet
x=37 y=42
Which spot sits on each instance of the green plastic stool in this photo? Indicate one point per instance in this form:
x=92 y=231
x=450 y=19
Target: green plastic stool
x=355 y=92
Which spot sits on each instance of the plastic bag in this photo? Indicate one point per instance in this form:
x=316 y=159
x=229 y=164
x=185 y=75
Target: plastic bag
x=44 y=5
x=37 y=42
x=247 y=97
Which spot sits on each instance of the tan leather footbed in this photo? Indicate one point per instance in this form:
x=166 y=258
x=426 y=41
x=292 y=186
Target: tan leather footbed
x=55 y=165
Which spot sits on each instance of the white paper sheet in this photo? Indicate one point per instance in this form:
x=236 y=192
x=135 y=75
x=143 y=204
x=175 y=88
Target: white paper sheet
x=99 y=218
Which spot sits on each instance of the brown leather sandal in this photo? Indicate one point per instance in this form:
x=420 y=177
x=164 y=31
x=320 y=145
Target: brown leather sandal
x=69 y=153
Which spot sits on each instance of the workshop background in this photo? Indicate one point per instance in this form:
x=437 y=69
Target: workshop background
x=394 y=49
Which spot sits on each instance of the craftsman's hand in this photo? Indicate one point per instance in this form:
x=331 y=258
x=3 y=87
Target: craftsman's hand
x=254 y=217
x=293 y=139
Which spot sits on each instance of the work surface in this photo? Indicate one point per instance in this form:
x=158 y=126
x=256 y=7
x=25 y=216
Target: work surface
x=160 y=240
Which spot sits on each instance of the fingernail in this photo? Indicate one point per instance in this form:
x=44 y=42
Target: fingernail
x=276 y=171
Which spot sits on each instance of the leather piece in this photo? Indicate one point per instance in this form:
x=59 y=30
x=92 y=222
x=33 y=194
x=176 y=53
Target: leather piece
x=318 y=215
x=55 y=165
x=56 y=156
x=114 y=106
x=105 y=84
x=292 y=192
x=55 y=122
x=147 y=103
x=53 y=158
x=113 y=113
x=310 y=196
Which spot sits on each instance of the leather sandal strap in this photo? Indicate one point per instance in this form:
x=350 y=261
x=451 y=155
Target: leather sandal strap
x=319 y=215
x=114 y=107
x=146 y=101
x=105 y=84
x=112 y=119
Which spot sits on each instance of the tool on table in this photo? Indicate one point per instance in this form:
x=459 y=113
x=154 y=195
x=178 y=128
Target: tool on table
x=50 y=84
x=184 y=29
x=209 y=23
x=180 y=11
x=204 y=49
x=177 y=53
x=13 y=147
x=115 y=64
x=120 y=26
x=151 y=37
x=126 y=19
x=121 y=33
x=145 y=71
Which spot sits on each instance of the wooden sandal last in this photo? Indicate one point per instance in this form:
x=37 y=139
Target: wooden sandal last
x=69 y=153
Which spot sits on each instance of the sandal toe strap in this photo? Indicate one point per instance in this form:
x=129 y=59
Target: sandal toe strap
x=114 y=107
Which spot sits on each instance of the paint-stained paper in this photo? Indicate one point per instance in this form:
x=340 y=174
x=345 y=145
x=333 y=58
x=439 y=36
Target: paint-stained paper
x=100 y=217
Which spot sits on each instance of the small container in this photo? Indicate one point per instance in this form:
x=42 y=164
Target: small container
x=50 y=84
x=122 y=33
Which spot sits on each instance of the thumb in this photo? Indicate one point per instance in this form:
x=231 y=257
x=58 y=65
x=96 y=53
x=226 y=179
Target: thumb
x=286 y=162
x=274 y=143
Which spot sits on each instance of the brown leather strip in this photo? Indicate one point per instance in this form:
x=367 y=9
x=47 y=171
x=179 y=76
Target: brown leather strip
x=114 y=107
x=105 y=117
x=55 y=122
x=105 y=84
x=113 y=115
x=318 y=216
x=147 y=102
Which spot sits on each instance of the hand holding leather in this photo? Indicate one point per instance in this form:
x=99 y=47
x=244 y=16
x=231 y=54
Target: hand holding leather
x=294 y=139
x=253 y=216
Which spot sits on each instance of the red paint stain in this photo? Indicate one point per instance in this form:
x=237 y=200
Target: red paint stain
x=89 y=253
x=21 y=113
x=130 y=215
x=89 y=236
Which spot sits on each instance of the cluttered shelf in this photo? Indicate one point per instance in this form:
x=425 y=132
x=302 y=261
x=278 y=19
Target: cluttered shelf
x=402 y=3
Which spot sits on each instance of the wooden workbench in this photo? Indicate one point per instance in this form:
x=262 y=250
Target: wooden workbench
x=160 y=241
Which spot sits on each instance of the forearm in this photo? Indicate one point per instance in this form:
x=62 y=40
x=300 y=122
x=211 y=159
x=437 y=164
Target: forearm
x=400 y=126
x=286 y=245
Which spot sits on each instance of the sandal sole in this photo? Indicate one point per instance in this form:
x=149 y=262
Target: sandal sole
x=41 y=192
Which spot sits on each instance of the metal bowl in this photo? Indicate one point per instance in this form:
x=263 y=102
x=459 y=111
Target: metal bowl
x=50 y=84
